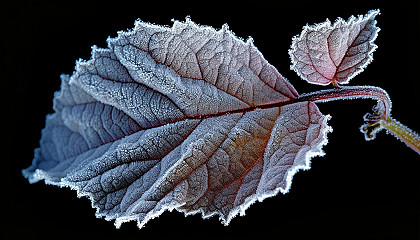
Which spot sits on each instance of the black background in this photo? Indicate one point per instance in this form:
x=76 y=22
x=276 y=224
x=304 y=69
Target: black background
x=363 y=190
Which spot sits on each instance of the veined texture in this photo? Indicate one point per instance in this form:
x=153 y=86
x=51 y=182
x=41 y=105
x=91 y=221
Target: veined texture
x=168 y=118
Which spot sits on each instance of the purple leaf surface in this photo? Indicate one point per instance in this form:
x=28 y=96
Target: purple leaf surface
x=168 y=118
x=334 y=53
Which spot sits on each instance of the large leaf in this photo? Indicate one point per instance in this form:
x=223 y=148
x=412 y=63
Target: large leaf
x=334 y=53
x=168 y=118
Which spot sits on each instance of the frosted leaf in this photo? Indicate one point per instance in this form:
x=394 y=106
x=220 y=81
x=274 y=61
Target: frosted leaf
x=168 y=118
x=334 y=53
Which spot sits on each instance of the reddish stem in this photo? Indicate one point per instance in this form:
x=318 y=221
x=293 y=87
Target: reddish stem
x=382 y=110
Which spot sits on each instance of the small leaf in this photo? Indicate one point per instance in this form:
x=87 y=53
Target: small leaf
x=168 y=118
x=334 y=53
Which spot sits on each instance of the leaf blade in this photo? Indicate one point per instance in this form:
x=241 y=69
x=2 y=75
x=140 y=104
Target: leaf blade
x=326 y=53
x=143 y=126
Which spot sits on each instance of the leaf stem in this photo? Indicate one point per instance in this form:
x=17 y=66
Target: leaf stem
x=380 y=119
x=403 y=133
x=383 y=109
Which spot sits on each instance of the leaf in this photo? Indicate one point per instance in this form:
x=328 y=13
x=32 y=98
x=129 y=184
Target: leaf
x=334 y=53
x=169 y=118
